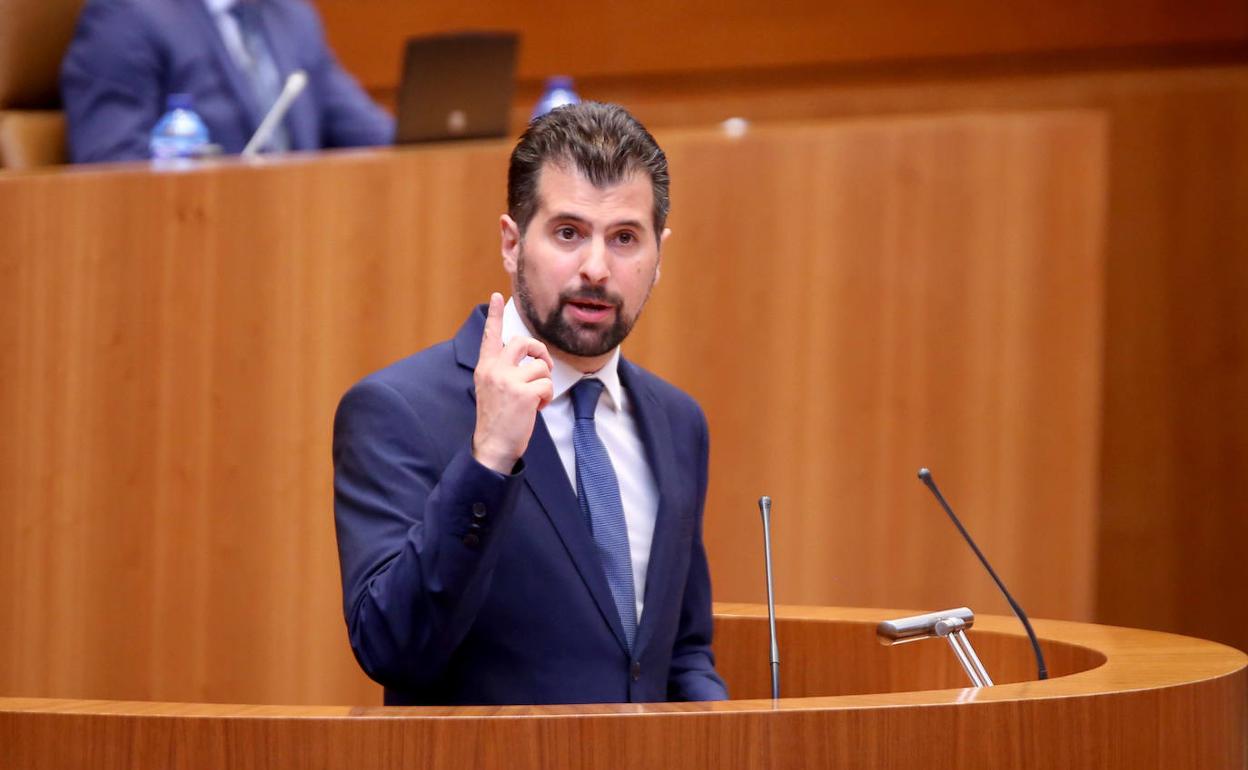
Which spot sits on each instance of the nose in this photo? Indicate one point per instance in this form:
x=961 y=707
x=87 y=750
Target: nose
x=595 y=266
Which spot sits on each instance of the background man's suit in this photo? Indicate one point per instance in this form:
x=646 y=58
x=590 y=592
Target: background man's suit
x=465 y=586
x=127 y=56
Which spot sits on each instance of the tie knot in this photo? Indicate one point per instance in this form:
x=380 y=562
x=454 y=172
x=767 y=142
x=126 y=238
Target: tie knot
x=585 y=398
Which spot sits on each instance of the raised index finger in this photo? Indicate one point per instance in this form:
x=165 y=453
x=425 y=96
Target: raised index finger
x=492 y=336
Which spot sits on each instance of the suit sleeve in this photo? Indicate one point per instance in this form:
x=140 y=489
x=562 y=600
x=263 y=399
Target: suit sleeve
x=416 y=536
x=349 y=118
x=110 y=85
x=692 y=676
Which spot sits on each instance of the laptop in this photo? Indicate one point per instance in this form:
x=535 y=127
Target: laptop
x=456 y=86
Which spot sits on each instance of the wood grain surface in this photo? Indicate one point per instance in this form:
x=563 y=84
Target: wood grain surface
x=848 y=301
x=648 y=36
x=1125 y=699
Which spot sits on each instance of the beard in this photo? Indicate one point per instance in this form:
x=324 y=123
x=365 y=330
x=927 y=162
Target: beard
x=577 y=339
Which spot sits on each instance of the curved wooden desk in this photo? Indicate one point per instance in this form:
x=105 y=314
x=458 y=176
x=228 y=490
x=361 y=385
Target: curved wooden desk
x=1119 y=698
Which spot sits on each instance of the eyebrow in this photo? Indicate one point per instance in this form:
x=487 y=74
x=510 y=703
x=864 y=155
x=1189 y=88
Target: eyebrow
x=565 y=216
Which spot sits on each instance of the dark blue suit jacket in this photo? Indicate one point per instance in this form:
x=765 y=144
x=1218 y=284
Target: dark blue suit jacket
x=127 y=56
x=465 y=586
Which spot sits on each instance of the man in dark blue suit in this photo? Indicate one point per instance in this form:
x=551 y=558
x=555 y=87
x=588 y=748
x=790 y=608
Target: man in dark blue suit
x=230 y=56
x=519 y=509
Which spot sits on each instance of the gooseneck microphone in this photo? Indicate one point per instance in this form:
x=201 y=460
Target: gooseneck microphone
x=295 y=83
x=764 y=507
x=1042 y=670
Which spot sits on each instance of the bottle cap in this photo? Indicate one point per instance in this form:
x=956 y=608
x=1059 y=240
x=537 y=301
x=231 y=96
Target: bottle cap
x=559 y=81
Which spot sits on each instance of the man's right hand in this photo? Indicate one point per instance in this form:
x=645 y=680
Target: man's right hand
x=510 y=392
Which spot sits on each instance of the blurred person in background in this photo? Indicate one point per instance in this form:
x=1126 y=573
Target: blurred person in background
x=231 y=57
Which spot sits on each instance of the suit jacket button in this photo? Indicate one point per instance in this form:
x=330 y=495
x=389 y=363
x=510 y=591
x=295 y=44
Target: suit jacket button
x=636 y=670
x=478 y=510
x=472 y=540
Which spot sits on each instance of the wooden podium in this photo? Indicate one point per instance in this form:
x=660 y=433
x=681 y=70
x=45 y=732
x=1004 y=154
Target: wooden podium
x=1118 y=698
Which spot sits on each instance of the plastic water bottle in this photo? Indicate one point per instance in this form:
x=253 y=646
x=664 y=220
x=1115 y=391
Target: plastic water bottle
x=180 y=132
x=558 y=93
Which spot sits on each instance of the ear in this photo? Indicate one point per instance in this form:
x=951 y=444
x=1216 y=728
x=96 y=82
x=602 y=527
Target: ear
x=509 y=235
x=658 y=265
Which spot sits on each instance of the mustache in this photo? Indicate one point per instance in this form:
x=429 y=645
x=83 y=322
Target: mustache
x=597 y=294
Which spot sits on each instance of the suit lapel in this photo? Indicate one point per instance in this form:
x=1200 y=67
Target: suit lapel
x=656 y=435
x=549 y=481
x=546 y=478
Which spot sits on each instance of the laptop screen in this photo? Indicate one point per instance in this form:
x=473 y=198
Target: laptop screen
x=457 y=86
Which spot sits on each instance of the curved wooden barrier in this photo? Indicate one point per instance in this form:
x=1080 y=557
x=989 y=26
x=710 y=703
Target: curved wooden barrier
x=1120 y=698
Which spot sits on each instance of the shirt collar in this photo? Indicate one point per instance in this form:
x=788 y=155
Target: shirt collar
x=564 y=375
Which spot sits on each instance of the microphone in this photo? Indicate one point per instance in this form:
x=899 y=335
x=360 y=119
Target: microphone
x=1042 y=670
x=764 y=507
x=295 y=83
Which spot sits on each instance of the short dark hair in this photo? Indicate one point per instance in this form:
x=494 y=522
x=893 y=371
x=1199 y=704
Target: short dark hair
x=602 y=141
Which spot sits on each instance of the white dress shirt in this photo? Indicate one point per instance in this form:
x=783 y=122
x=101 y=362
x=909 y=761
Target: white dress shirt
x=617 y=427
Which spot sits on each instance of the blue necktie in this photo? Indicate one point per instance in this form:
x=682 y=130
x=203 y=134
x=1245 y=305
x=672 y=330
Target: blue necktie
x=259 y=67
x=599 y=493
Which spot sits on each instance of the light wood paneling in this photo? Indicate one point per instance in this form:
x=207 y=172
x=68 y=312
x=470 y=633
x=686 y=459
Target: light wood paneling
x=176 y=346
x=848 y=301
x=876 y=304
x=1130 y=699
x=649 y=36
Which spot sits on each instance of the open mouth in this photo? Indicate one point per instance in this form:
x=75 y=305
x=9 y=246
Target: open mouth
x=589 y=310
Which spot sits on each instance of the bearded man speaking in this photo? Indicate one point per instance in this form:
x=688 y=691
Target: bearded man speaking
x=519 y=509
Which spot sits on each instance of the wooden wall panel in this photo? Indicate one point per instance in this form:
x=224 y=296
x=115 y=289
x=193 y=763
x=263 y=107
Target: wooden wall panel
x=650 y=36
x=1175 y=459
x=175 y=356
x=927 y=303
x=848 y=302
